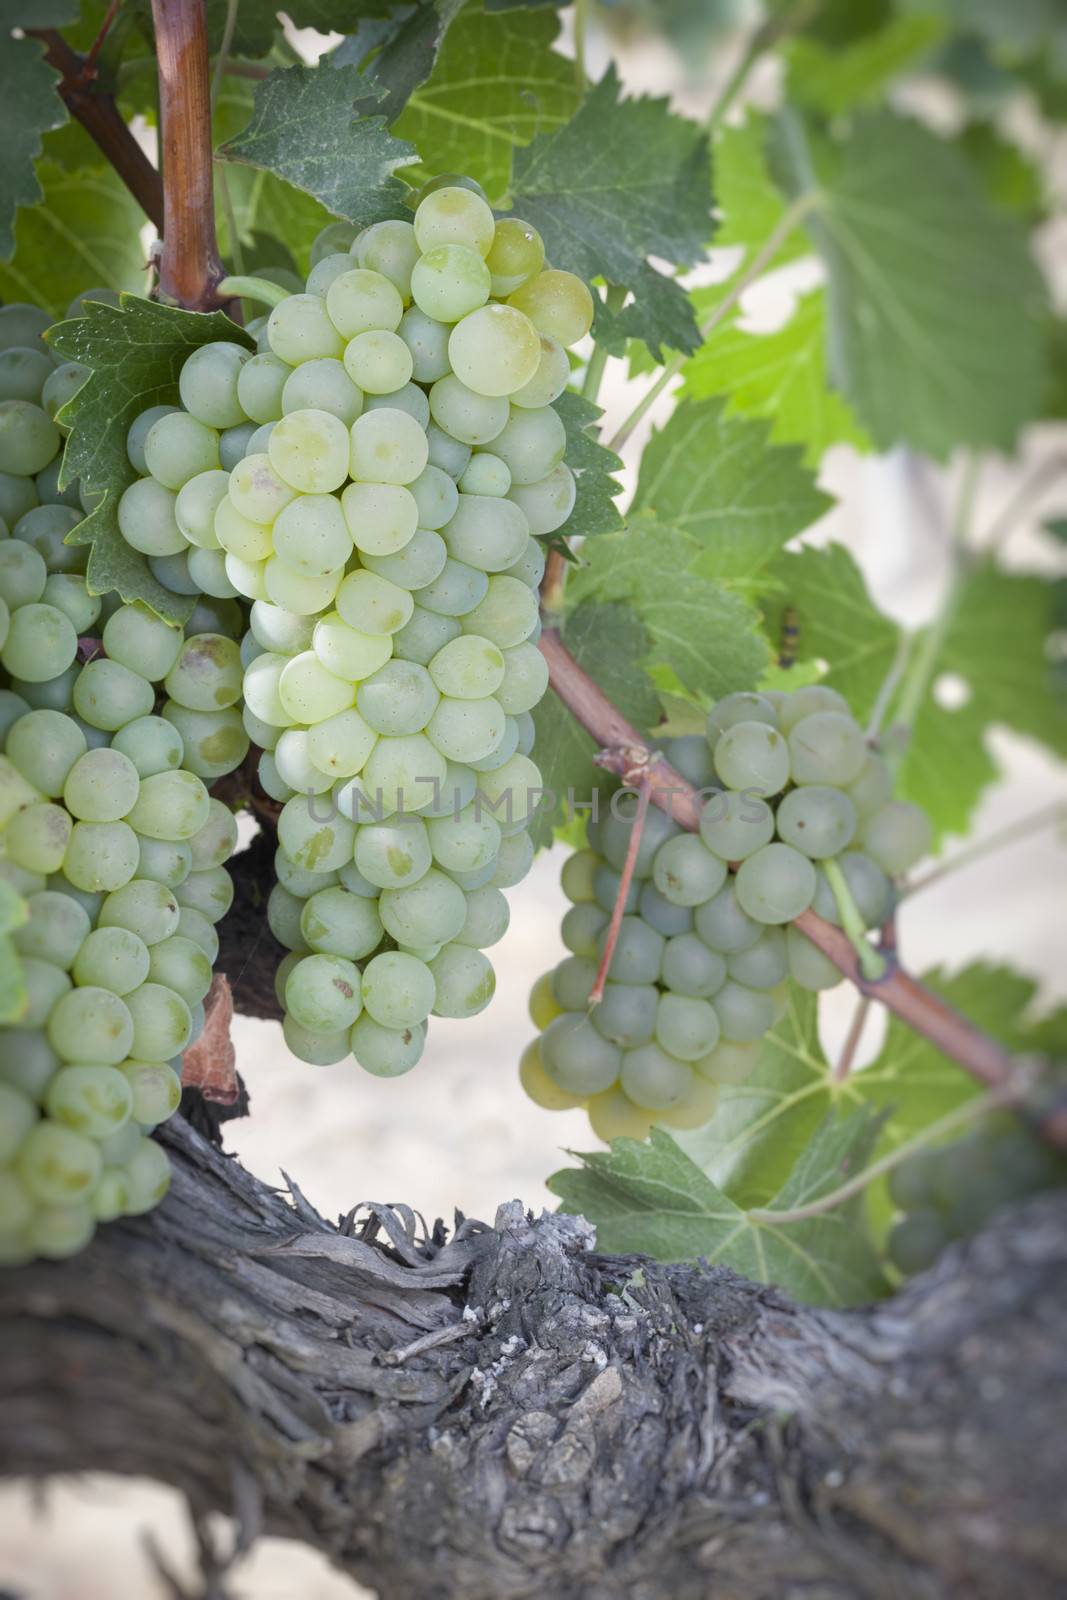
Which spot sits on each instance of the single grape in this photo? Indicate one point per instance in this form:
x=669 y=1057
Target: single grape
x=539 y=1087
x=654 y=1079
x=741 y=707
x=386 y=1052
x=744 y=1014
x=464 y=981
x=363 y=301
x=817 y=821
x=723 y=925
x=826 y=747
x=300 y=329
x=558 y=304
x=775 y=884
x=808 y=967
x=734 y=826
x=112 y=958
x=896 y=836
x=753 y=757
x=806 y=701
x=685 y=872
x=627 y=1013
x=450 y=281
x=578 y=1058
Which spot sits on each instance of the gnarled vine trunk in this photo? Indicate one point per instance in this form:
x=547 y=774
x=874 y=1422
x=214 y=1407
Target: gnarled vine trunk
x=508 y=1413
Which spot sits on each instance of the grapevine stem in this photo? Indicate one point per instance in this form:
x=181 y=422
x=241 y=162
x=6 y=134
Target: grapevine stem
x=190 y=268
x=872 y=963
x=613 y=301
x=789 y=221
x=889 y=687
x=918 y=1007
x=1048 y=817
x=626 y=878
x=855 y=1033
x=241 y=287
x=972 y=1111
x=762 y=40
x=236 y=251
x=930 y=645
x=99 y=116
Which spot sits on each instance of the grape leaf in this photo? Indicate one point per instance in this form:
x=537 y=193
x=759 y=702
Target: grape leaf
x=593 y=464
x=622 y=181
x=38 y=14
x=29 y=108
x=84 y=234
x=609 y=642
x=835 y=80
x=135 y=353
x=781 y=376
x=653 y=1199
x=749 y=201
x=935 y=305
x=304 y=129
x=405 y=50
x=262 y=203
x=762 y=1126
x=705 y=634
x=1011 y=178
x=718 y=479
x=497 y=83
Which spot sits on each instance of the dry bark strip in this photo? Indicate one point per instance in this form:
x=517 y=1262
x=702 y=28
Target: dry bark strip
x=506 y=1413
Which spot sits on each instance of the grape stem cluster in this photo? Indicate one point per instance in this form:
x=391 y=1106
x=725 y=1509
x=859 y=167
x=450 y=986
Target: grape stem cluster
x=922 y=1010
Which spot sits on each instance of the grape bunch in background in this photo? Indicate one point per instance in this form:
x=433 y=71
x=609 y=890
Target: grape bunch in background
x=798 y=812
x=954 y=1190
x=375 y=481
x=111 y=849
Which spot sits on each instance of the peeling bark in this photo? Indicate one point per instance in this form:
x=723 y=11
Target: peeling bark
x=507 y=1413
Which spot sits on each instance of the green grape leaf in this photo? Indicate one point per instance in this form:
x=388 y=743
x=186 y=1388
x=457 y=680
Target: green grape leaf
x=609 y=642
x=136 y=353
x=84 y=233
x=1011 y=179
x=29 y=108
x=594 y=467
x=747 y=197
x=405 y=49
x=708 y=636
x=835 y=80
x=762 y=1127
x=998 y=644
x=496 y=85
x=1023 y=28
x=1057 y=527
x=258 y=24
x=717 y=478
x=38 y=14
x=781 y=376
x=262 y=203
x=304 y=129
x=653 y=1199
x=622 y=181
x=936 y=307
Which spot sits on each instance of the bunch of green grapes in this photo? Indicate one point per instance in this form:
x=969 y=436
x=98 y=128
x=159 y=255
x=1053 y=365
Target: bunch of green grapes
x=954 y=1190
x=798 y=812
x=109 y=727
x=374 y=482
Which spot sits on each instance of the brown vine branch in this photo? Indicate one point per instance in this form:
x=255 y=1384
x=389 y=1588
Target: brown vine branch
x=922 y=1010
x=99 y=116
x=626 y=878
x=190 y=267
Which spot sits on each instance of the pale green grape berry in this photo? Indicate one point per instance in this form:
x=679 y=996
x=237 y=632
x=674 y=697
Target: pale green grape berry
x=170 y=805
x=495 y=350
x=337 y=922
x=18 y=1114
x=67 y=592
x=729 y=1062
x=112 y=958
x=29 y=438
x=289 y=769
x=514 y=861
x=247 y=541
x=210 y=892
x=558 y=304
x=151 y=743
x=309 y=693
x=512 y=794
x=409 y=398
x=57 y=927
x=516 y=254
x=215 y=741
x=740 y=707
x=348 y=651
x=734 y=826
x=56 y=1165
x=300 y=329
x=156 y=1091
x=638 y=953
x=549 y=381
x=488 y=915
x=403 y=773
x=102 y=786
x=138 y=432
x=775 y=884
x=101 y=856
x=23 y=373
x=467 y=668
x=309 y=451
x=424 y=634
x=297 y=592
x=92 y=1100
x=456 y=591
x=41 y=644
x=576 y=877
x=427 y=339
x=807 y=700
x=315 y=835
x=107 y=695
x=487 y=532
x=464 y=979
x=141 y=641
x=466 y=416
x=450 y=454
x=416 y=564
x=142 y=907
x=386 y=1052
x=686 y=872
x=525 y=679
x=744 y=1014
x=46 y=528
x=378 y=362
x=339 y=745
x=91 y=1024
x=506 y=615
x=379 y=518
x=38 y=838
x=613 y=1115
x=485 y=474
x=387 y=446
x=465 y=841
x=148 y=1176
x=23 y=574
x=436 y=498
x=324 y=386
x=311 y=536
x=324 y=993
x=431 y=911
x=214 y=843
x=547 y=503
x=896 y=836
x=449 y=282
x=808 y=967
x=45 y=984
x=753 y=757
x=686 y=1027
x=44 y=745
x=816 y=820
x=208 y=384
x=260 y=384
x=178 y=447
x=336 y=236
x=398 y=990
x=577 y=1058
x=391 y=249
x=196 y=506
x=179 y=964
x=256 y=490
x=826 y=747
x=531 y=444
x=627 y=1013
x=398 y=699
x=466 y=730
x=317 y=1049
x=691 y=968
x=454 y=215
x=362 y=301
x=654 y=1079
x=723 y=925
x=162 y=1023
x=370 y=604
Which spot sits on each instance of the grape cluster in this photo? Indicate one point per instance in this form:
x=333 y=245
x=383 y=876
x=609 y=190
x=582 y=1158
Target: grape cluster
x=108 y=727
x=954 y=1190
x=373 y=481
x=797 y=812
